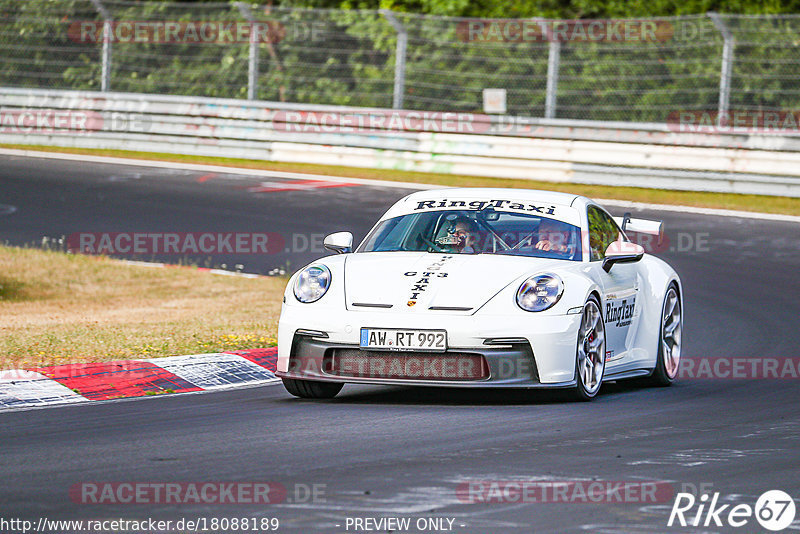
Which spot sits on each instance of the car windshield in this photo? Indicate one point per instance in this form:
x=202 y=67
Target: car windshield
x=476 y=232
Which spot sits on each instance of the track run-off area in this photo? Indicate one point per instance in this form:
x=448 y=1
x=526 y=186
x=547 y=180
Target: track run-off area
x=381 y=452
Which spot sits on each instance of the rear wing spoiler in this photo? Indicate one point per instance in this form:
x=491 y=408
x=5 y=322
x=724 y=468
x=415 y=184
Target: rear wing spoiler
x=640 y=226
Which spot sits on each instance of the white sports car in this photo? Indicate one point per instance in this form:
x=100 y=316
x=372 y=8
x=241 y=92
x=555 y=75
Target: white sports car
x=483 y=288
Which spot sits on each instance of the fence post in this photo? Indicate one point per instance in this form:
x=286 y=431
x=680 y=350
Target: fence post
x=399 y=59
x=553 y=61
x=727 y=66
x=252 y=57
x=105 y=76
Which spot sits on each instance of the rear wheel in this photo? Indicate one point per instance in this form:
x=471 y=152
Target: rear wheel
x=669 y=340
x=310 y=389
x=591 y=352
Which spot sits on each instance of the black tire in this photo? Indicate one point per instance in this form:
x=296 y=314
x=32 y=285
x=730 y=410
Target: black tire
x=661 y=376
x=581 y=391
x=310 y=389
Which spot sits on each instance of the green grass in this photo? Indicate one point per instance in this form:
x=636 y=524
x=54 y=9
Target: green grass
x=756 y=203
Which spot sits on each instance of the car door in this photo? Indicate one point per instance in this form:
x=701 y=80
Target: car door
x=620 y=287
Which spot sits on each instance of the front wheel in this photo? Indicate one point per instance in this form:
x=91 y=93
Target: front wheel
x=591 y=352
x=669 y=340
x=310 y=389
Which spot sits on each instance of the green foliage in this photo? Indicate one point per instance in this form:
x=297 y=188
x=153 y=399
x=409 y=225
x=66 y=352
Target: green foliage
x=347 y=56
x=563 y=9
x=37 y=50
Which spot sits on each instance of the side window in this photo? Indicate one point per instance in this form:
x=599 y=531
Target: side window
x=602 y=232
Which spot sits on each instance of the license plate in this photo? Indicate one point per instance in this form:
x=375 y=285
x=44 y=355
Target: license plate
x=401 y=339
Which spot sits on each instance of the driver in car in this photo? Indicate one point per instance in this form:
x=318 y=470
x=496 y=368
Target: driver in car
x=467 y=233
x=554 y=236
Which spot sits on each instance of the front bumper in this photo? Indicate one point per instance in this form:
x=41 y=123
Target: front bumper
x=542 y=356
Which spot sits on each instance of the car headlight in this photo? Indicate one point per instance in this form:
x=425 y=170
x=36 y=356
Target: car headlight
x=312 y=283
x=539 y=292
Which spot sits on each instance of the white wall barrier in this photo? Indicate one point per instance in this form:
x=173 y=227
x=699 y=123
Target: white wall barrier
x=630 y=154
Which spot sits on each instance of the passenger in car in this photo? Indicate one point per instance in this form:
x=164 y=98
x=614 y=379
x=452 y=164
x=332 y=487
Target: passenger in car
x=554 y=236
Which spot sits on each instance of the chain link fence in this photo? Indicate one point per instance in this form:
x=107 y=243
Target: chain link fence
x=629 y=70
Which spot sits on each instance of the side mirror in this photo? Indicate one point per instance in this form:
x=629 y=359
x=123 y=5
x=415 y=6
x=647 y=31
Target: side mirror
x=340 y=242
x=622 y=252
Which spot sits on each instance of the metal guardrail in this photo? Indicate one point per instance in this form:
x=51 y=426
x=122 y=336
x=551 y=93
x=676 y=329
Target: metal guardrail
x=630 y=154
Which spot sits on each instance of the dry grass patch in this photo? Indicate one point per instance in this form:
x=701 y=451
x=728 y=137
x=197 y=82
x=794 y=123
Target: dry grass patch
x=65 y=308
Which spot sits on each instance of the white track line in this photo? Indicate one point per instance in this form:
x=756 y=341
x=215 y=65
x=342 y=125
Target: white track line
x=136 y=263
x=378 y=183
x=701 y=211
x=213 y=168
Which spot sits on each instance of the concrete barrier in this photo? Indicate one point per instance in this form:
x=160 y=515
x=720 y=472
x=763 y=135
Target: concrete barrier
x=638 y=155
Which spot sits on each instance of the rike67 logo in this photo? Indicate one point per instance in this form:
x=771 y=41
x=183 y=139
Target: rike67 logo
x=774 y=510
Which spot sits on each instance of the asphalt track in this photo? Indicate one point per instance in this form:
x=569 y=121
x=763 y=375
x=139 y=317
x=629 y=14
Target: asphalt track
x=401 y=452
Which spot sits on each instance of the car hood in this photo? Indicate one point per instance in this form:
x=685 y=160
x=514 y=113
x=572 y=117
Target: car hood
x=415 y=282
